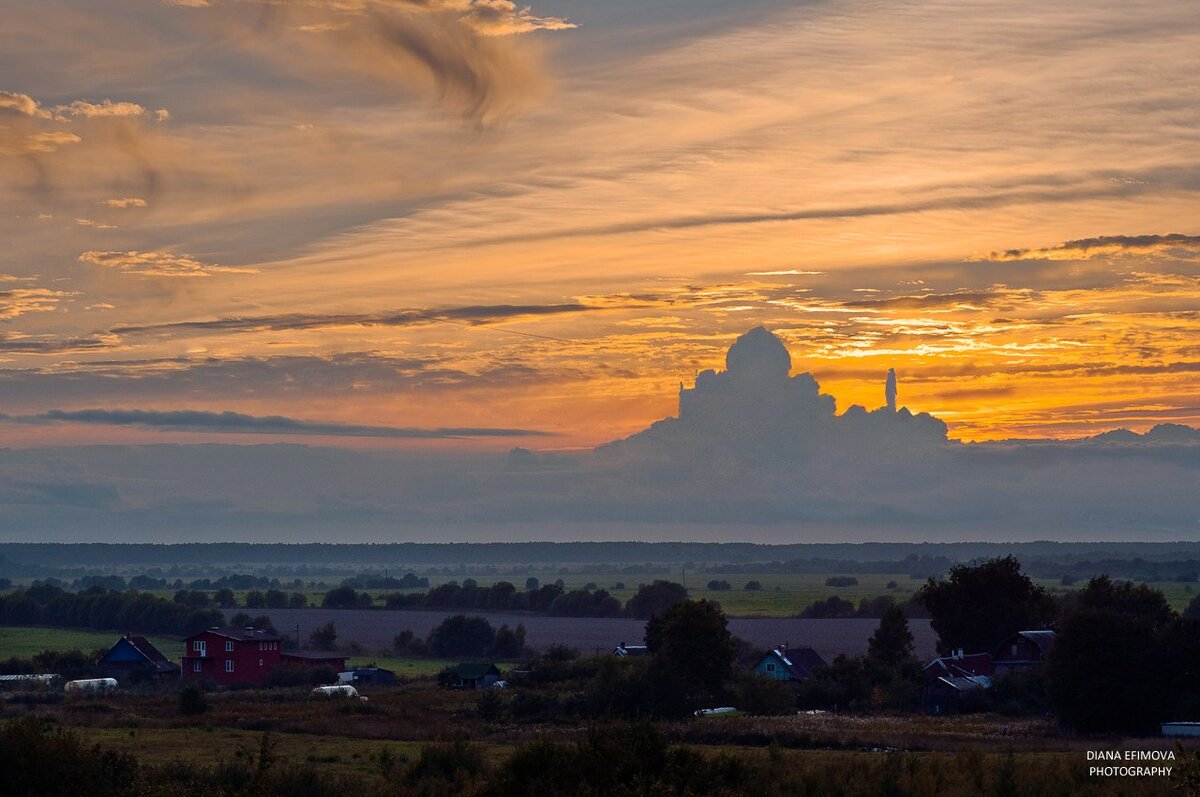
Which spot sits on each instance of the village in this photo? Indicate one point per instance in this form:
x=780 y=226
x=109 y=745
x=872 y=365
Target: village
x=690 y=683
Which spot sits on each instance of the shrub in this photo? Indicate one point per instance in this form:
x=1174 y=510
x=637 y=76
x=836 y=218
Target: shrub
x=192 y=701
x=753 y=586
x=841 y=581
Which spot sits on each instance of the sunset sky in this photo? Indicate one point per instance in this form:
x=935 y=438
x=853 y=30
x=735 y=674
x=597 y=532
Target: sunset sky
x=471 y=215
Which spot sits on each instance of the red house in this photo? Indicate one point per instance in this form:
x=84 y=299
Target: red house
x=1023 y=650
x=232 y=656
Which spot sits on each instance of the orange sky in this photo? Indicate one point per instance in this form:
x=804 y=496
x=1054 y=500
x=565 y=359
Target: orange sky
x=462 y=214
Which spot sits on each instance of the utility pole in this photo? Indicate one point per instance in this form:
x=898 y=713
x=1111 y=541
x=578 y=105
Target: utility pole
x=297 y=636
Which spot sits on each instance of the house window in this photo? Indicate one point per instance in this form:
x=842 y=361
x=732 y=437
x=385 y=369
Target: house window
x=228 y=665
x=771 y=666
x=260 y=662
x=229 y=646
x=197 y=645
x=197 y=666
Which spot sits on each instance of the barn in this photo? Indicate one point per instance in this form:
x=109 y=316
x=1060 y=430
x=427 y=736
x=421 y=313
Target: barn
x=134 y=658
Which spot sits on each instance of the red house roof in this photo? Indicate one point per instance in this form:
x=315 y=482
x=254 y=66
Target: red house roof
x=240 y=634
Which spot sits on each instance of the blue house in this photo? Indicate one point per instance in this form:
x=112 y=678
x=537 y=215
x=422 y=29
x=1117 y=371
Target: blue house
x=133 y=657
x=782 y=664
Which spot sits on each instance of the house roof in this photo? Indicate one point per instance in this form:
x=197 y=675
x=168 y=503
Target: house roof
x=799 y=662
x=631 y=650
x=1042 y=640
x=968 y=684
x=964 y=666
x=314 y=655
x=471 y=670
x=144 y=648
x=242 y=634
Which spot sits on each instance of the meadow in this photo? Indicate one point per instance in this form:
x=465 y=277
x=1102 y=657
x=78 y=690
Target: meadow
x=781 y=595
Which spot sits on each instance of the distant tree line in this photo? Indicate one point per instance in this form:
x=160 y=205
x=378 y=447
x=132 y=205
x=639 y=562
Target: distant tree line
x=43 y=604
x=835 y=608
x=551 y=599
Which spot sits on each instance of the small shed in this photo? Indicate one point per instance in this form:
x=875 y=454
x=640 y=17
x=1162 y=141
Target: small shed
x=375 y=676
x=90 y=686
x=631 y=650
x=1181 y=729
x=312 y=658
x=335 y=691
x=474 y=675
x=954 y=694
x=784 y=664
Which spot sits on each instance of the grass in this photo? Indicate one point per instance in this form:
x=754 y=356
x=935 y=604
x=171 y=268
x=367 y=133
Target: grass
x=207 y=745
x=782 y=595
x=24 y=642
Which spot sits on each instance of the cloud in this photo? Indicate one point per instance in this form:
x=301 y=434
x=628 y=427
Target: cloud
x=20 y=103
x=1174 y=244
x=450 y=47
x=239 y=423
x=125 y=202
x=158 y=264
x=754 y=452
x=27 y=106
x=19 y=301
x=476 y=315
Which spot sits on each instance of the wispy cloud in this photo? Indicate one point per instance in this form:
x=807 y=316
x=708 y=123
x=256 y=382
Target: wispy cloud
x=158 y=264
x=239 y=423
x=1088 y=248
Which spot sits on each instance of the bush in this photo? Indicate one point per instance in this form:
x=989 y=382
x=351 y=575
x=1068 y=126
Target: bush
x=753 y=586
x=462 y=636
x=324 y=637
x=841 y=581
x=654 y=599
x=192 y=701
x=719 y=586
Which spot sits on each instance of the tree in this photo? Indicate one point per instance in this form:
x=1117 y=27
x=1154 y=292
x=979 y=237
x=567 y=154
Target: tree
x=1093 y=689
x=654 y=599
x=192 y=701
x=324 y=637
x=509 y=643
x=1102 y=593
x=532 y=584
x=462 y=636
x=979 y=606
x=225 y=598
x=1193 y=609
x=341 y=598
x=892 y=642
x=753 y=586
x=717 y=585
x=692 y=647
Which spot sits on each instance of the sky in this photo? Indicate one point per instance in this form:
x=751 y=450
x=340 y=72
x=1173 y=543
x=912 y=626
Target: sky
x=448 y=227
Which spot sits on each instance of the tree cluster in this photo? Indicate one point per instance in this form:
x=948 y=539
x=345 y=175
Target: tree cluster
x=42 y=604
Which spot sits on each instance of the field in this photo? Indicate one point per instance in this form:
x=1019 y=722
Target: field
x=374 y=629
x=782 y=595
x=382 y=738
x=25 y=642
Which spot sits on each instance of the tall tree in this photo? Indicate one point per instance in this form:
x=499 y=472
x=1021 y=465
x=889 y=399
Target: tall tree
x=978 y=606
x=693 y=651
x=892 y=642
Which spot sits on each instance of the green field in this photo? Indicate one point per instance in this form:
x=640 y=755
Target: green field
x=782 y=595
x=24 y=642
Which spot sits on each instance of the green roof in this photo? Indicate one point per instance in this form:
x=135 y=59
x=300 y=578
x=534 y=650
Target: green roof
x=470 y=670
